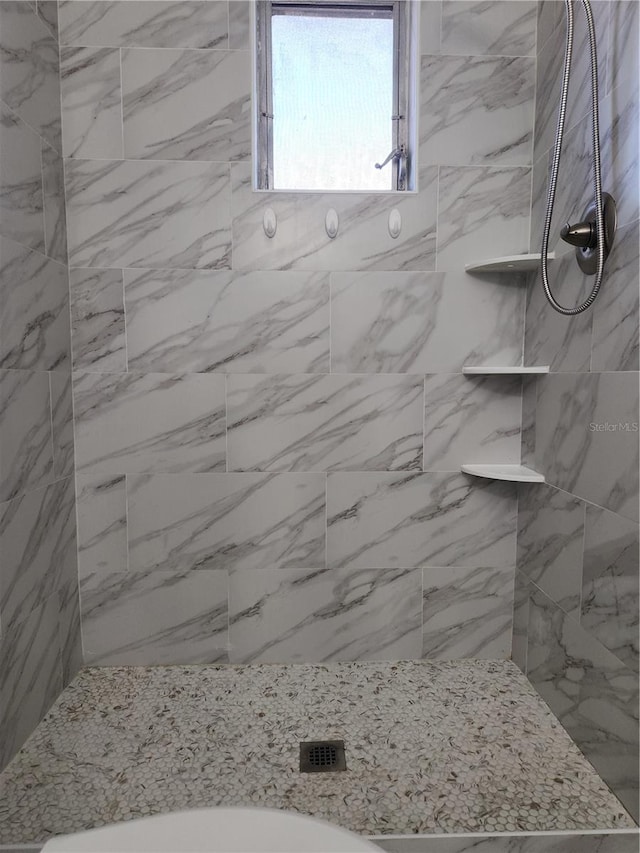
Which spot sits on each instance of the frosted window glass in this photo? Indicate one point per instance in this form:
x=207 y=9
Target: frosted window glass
x=332 y=102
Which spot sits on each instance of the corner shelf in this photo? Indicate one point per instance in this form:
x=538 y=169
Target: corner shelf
x=496 y=370
x=509 y=263
x=513 y=473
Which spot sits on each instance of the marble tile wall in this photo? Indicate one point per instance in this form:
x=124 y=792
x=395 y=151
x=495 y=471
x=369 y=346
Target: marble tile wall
x=269 y=432
x=40 y=647
x=577 y=594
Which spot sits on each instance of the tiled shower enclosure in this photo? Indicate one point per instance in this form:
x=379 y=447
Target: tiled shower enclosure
x=262 y=439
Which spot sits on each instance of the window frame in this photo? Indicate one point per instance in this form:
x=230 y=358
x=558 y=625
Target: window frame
x=402 y=118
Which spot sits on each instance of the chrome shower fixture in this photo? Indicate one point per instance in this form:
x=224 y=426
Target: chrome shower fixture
x=594 y=236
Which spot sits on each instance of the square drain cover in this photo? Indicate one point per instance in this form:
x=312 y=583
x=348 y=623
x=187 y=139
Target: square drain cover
x=322 y=756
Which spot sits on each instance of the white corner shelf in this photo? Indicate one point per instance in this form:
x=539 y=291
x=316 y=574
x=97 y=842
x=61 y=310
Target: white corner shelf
x=509 y=263
x=513 y=473
x=497 y=370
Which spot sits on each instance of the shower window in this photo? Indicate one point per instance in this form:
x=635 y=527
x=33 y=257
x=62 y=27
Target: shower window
x=334 y=93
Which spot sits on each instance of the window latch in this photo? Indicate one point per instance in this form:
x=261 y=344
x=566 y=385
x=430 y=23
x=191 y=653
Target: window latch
x=396 y=154
x=399 y=153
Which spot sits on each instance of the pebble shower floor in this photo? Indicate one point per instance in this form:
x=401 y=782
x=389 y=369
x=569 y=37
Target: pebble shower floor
x=454 y=746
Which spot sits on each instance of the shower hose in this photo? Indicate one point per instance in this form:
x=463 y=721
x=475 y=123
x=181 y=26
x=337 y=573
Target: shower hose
x=597 y=176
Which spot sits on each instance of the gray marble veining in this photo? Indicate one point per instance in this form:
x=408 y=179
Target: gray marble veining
x=102 y=525
x=616 y=312
x=139 y=423
x=180 y=522
x=91 y=101
x=70 y=630
x=471 y=419
x=186 y=104
x=478 y=27
x=476 y=109
x=38 y=545
x=401 y=322
x=48 y=12
x=144 y=23
x=26 y=461
x=34 y=325
x=148 y=214
x=586 y=442
x=202 y=321
x=155 y=616
x=594 y=695
x=520 y=635
x=384 y=520
x=30 y=83
x=97 y=320
x=363 y=240
x=620 y=141
x=295 y=615
x=609 y=609
x=30 y=675
x=21 y=200
x=550 y=540
x=55 y=223
x=480 y=206
x=240 y=24
x=624 y=42
x=62 y=423
x=467 y=613
x=322 y=423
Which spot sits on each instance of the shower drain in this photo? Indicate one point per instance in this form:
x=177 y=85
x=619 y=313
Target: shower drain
x=322 y=756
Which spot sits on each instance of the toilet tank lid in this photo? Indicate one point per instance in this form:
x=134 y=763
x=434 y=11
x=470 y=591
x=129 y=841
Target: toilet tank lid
x=215 y=830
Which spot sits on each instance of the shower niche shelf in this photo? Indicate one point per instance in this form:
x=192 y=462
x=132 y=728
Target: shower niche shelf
x=509 y=263
x=497 y=370
x=513 y=473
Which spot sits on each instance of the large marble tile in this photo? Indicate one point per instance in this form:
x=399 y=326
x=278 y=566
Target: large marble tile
x=209 y=521
x=563 y=343
x=616 y=311
x=70 y=630
x=476 y=109
x=302 y=615
x=549 y=70
x=586 y=441
x=34 y=324
x=144 y=23
x=550 y=539
x=92 y=102
x=482 y=211
x=201 y=321
x=609 y=610
x=519 y=639
x=363 y=240
x=26 y=461
x=592 y=693
x=30 y=82
x=102 y=525
x=620 y=144
x=322 y=423
x=240 y=25
x=38 y=546
x=528 y=424
x=62 y=423
x=383 y=520
x=97 y=320
x=467 y=613
x=401 y=322
x=48 y=12
x=139 y=423
x=624 y=36
x=474 y=27
x=430 y=26
x=471 y=419
x=21 y=200
x=142 y=214
x=55 y=219
x=30 y=675
x=155 y=618
x=186 y=104
x=551 y=19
